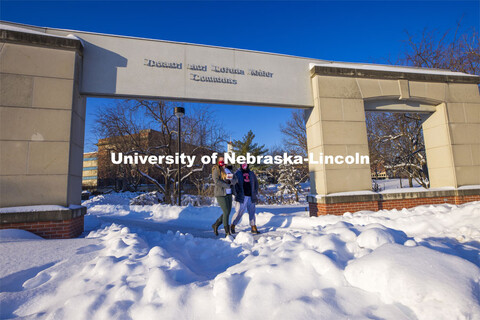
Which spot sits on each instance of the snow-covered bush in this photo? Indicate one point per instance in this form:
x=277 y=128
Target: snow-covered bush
x=189 y=199
x=272 y=194
x=148 y=199
x=289 y=184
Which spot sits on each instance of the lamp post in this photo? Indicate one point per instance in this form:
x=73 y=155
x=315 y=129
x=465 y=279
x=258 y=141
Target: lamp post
x=179 y=113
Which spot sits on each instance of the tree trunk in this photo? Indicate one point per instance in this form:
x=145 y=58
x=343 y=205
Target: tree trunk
x=168 y=193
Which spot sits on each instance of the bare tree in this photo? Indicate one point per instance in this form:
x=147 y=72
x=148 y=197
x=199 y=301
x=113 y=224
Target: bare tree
x=456 y=51
x=117 y=129
x=123 y=128
x=396 y=143
x=294 y=133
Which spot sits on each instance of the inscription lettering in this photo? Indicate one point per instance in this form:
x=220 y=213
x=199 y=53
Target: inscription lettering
x=214 y=68
x=197 y=67
x=227 y=70
x=202 y=78
x=260 y=73
x=161 y=64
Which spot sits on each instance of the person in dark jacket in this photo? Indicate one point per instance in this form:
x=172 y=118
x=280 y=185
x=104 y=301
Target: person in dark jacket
x=223 y=179
x=246 y=195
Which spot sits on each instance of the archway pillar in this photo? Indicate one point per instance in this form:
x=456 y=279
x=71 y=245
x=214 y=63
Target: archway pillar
x=336 y=126
x=438 y=148
x=452 y=133
x=462 y=114
x=42 y=118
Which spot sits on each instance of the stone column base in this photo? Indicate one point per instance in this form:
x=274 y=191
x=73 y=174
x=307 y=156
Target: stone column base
x=339 y=204
x=45 y=221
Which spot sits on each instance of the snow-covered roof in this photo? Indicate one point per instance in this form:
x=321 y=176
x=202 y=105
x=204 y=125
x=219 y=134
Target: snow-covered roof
x=379 y=67
x=38 y=208
x=26 y=30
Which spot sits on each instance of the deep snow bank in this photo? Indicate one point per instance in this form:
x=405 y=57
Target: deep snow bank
x=434 y=285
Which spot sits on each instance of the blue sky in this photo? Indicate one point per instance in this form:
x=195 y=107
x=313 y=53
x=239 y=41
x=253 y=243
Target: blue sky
x=357 y=31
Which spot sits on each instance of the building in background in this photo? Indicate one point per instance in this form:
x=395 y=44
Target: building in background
x=127 y=176
x=378 y=171
x=123 y=176
x=90 y=171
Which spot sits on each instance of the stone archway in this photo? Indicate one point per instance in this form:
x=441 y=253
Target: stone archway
x=336 y=125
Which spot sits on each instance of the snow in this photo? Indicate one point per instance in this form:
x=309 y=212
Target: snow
x=410 y=276
x=149 y=198
x=394 y=186
x=4 y=26
x=15 y=234
x=374 y=238
x=159 y=261
x=349 y=193
x=74 y=37
x=379 y=67
x=469 y=187
x=38 y=208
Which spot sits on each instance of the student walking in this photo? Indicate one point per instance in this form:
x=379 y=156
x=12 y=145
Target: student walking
x=246 y=195
x=223 y=179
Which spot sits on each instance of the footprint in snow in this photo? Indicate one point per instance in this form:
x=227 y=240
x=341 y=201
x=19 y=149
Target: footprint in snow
x=41 y=278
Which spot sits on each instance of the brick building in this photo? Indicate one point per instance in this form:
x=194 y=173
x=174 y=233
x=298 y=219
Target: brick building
x=90 y=171
x=120 y=176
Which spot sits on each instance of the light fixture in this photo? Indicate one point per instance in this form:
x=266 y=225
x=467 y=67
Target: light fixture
x=179 y=112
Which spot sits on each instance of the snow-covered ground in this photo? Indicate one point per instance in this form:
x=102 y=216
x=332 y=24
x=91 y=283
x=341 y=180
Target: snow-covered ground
x=395 y=184
x=421 y=263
